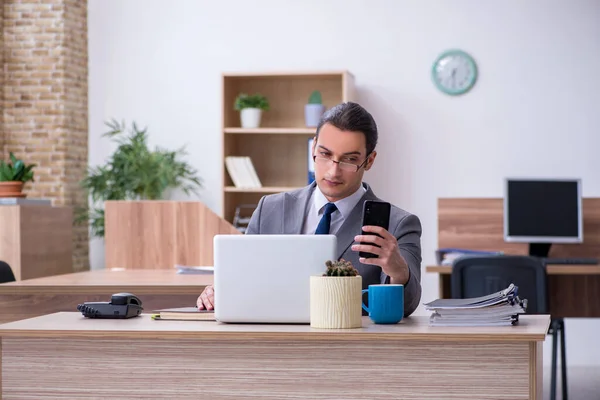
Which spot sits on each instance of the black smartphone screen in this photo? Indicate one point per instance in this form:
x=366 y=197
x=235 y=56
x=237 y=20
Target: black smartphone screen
x=375 y=213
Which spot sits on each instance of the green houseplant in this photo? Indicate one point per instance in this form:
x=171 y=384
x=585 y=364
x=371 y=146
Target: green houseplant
x=251 y=108
x=336 y=297
x=314 y=109
x=13 y=176
x=134 y=172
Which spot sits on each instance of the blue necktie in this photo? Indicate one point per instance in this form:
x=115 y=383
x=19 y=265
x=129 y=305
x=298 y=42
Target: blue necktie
x=323 y=227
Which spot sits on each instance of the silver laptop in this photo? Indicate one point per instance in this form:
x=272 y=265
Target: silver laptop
x=266 y=278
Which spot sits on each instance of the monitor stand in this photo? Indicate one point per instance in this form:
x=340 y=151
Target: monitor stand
x=539 y=249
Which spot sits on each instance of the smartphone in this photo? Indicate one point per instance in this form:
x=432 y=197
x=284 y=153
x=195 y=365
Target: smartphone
x=375 y=213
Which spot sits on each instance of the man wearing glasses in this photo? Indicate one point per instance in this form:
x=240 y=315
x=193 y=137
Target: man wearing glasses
x=344 y=148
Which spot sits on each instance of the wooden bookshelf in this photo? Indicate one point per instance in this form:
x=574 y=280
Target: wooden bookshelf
x=279 y=147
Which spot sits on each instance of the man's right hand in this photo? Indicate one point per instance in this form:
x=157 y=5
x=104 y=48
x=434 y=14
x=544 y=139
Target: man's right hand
x=206 y=301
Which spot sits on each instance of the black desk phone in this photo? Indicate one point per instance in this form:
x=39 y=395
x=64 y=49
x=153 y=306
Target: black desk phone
x=121 y=305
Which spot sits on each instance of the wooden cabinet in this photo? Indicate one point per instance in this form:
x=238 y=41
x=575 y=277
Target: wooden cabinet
x=278 y=149
x=36 y=240
x=157 y=234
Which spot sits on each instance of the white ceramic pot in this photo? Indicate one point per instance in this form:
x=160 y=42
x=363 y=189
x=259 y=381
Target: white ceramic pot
x=336 y=302
x=250 y=117
x=312 y=114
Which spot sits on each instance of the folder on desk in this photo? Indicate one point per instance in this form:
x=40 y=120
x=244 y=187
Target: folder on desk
x=184 y=314
x=496 y=309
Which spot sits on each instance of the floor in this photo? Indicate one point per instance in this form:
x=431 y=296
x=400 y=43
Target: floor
x=583 y=383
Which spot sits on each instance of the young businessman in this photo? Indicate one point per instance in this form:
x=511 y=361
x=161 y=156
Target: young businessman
x=343 y=150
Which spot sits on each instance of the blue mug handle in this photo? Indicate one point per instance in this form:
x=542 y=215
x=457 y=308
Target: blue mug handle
x=363 y=303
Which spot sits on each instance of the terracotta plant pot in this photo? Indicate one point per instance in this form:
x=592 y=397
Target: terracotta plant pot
x=11 y=189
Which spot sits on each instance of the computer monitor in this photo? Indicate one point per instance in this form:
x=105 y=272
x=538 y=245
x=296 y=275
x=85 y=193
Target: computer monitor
x=542 y=212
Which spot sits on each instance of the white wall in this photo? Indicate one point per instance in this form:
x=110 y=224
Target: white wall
x=534 y=110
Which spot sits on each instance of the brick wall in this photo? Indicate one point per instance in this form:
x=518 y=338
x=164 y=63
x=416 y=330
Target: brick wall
x=76 y=106
x=45 y=100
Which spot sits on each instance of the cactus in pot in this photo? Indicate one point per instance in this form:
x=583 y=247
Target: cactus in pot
x=336 y=297
x=340 y=268
x=313 y=110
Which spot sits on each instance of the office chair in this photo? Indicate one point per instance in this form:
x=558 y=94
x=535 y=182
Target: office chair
x=474 y=276
x=6 y=274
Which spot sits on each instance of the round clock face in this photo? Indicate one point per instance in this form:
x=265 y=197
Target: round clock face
x=454 y=72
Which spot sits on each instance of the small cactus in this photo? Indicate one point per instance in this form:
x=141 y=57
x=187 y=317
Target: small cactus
x=315 y=98
x=340 y=268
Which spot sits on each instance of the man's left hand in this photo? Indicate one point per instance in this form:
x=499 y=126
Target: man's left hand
x=390 y=260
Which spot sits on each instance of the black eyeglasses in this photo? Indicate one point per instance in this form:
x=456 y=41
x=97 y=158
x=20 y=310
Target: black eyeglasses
x=343 y=165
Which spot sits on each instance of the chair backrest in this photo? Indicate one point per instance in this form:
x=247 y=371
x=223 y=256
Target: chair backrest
x=6 y=273
x=474 y=276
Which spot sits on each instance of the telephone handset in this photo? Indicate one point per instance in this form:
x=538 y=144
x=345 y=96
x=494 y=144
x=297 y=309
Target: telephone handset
x=121 y=305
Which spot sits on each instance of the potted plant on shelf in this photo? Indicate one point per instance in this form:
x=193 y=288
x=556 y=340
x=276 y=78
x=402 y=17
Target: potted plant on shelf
x=251 y=108
x=336 y=297
x=13 y=177
x=313 y=110
x=134 y=172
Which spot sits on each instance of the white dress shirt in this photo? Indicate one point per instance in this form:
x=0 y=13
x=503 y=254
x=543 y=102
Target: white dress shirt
x=316 y=206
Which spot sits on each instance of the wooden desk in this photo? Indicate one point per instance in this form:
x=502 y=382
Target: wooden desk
x=567 y=286
x=67 y=355
x=156 y=289
x=478 y=224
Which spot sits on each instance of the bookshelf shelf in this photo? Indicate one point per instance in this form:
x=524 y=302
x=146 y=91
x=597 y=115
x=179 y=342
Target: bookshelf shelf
x=264 y=189
x=286 y=74
x=271 y=131
x=278 y=149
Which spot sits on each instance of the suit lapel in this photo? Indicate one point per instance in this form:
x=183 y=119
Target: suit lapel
x=294 y=208
x=353 y=224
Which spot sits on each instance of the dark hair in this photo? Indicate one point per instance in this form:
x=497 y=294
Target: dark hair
x=351 y=116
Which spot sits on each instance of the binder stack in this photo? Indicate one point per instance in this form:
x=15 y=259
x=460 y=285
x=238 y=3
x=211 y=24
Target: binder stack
x=496 y=309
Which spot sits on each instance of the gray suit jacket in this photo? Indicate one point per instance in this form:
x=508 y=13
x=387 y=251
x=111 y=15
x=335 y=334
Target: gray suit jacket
x=283 y=213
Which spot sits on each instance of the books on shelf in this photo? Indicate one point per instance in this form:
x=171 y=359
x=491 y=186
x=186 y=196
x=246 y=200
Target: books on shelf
x=183 y=314
x=242 y=172
x=496 y=309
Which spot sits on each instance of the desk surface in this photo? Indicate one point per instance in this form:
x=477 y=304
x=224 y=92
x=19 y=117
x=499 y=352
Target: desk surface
x=554 y=269
x=159 y=281
x=73 y=324
x=142 y=358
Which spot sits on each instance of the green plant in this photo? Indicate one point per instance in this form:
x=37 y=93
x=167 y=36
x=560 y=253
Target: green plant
x=340 y=268
x=16 y=171
x=315 y=98
x=134 y=172
x=251 y=101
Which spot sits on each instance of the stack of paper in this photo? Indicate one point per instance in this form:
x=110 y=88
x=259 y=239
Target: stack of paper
x=496 y=309
x=447 y=256
x=191 y=270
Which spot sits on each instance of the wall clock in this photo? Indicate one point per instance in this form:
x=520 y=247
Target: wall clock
x=454 y=72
